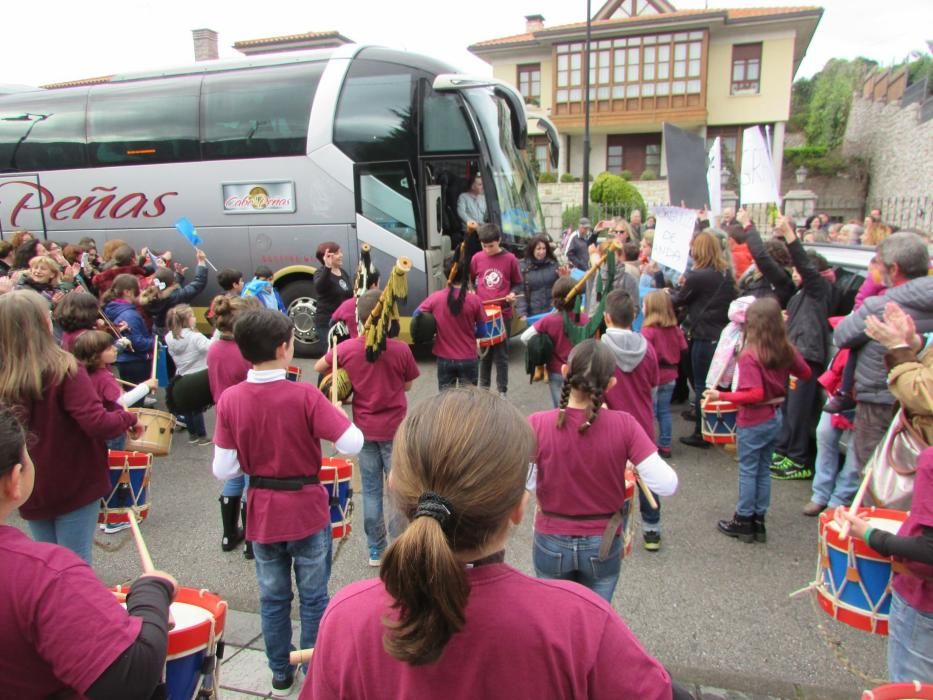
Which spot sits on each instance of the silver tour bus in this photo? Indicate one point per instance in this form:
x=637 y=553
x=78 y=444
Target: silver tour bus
x=268 y=157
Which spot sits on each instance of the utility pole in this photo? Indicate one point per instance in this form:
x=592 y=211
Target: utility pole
x=586 y=116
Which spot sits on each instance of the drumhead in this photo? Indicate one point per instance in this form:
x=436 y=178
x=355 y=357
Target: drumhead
x=886 y=524
x=187 y=616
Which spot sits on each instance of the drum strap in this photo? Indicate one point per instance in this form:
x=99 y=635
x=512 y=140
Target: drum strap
x=615 y=521
x=282 y=483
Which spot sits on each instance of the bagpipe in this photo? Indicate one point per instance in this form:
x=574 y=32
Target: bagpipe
x=540 y=348
x=381 y=324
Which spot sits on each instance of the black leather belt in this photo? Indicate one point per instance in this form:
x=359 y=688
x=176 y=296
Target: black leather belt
x=282 y=483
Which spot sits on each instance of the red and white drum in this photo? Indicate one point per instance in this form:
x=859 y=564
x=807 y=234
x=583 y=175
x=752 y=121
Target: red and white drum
x=854 y=583
x=191 y=667
x=718 y=422
x=129 y=487
x=335 y=476
x=900 y=691
x=493 y=331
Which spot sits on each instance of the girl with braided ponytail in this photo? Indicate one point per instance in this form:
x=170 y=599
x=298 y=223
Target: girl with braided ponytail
x=448 y=616
x=582 y=452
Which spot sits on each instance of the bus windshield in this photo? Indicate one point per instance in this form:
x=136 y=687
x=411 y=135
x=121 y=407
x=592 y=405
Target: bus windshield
x=516 y=190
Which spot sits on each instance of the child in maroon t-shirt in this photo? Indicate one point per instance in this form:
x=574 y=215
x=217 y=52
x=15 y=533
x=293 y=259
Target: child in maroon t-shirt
x=664 y=335
x=495 y=273
x=552 y=325
x=636 y=376
x=379 y=407
x=271 y=428
x=764 y=366
x=457 y=312
x=581 y=458
x=449 y=617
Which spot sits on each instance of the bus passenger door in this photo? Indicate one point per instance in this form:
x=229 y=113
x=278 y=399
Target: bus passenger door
x=22 y=204
x=387 y=219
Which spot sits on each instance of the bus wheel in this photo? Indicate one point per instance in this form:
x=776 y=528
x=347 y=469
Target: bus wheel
x=299 y=299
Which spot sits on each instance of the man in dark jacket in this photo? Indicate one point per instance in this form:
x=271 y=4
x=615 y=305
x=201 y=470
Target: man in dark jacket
x=905 y=261
x=577 y=246
x=808 y=329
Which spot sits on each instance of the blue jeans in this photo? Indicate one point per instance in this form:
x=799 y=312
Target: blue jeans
x=701 y=357
x=555 y=381
x=575 y=558
x=235 y=486
x=375 y=463
x=311 y=560
x=662 y=412
x=910 y=643
x=755 y=445
x=449 y=371
x=833 y=486
x=498 y=354
x=195 y=423
x=74 y=530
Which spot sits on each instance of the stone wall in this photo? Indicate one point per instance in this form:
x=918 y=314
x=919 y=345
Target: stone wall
x=898 y=149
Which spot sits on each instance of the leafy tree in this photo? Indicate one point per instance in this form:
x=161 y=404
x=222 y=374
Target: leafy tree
x=831 y=100
x=613 y=190
x=800 y=96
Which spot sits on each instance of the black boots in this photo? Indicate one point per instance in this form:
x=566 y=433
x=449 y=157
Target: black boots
x=248 y=547
x=230 y=517
x=758 y=528
x=741 y=526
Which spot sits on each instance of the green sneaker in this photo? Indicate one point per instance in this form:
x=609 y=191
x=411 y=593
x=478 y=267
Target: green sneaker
x=778 y=462
x=791 y=471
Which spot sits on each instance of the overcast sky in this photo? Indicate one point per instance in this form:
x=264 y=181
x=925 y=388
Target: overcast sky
x=62 y=40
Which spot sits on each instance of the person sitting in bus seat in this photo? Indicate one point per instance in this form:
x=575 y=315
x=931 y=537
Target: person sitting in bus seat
x=471 y=205
x=261 y=288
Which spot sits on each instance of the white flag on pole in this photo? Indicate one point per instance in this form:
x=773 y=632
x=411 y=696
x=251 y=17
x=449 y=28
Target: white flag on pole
x=714 y=178
x=758 y=186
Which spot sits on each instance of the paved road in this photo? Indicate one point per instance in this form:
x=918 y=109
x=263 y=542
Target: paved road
x=714 y=609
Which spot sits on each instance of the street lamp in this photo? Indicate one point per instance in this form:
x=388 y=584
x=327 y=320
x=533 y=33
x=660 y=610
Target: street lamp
x=801 y=174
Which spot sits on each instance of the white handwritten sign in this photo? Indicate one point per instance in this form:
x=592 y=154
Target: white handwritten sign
x=714 y=178
x=672 y=236
x=758 y=182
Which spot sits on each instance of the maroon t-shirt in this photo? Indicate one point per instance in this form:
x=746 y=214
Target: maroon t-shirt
x=69 y=425
x=107 y=388
x=346 y=312
x=69 y=338
x=379 y=402
x=753 y=374
x=456 y=335
x=276 y=429
x=225 y=366
x=523 y=638
x=916 y=585
x=668 y=344
x=632 y=392
x=60 y=629
x=584 y=473
x=494 y=276
x=552 y=325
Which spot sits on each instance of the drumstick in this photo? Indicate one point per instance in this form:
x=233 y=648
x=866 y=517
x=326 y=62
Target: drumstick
x=144 y=557
x=491 y=301
x=333 y=375
x=647 y=492
x=856 y=502
x=302 y=656
x=126 y=383
x=155 y=356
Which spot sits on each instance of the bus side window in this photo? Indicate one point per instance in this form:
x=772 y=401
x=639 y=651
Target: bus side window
x=375 y=118
x=386 y=197
x=261 y=112
x=144 y=122
x=43 y=132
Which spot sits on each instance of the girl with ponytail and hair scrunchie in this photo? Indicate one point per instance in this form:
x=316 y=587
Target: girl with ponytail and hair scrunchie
x=582 y=453
x=448 y=616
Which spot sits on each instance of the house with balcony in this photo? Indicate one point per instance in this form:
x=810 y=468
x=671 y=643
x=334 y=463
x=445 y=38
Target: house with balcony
x=712 y=72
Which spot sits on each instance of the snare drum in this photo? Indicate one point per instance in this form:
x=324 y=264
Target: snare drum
x=129 y=487
x=157 y=432
x=493 y=331
x=718 y=424
x=335 y=476
x=854 y=583
x=900 y=691
x=191 y=665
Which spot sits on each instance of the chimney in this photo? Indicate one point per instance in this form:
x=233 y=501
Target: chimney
x=205 y=44
x=534 y=23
